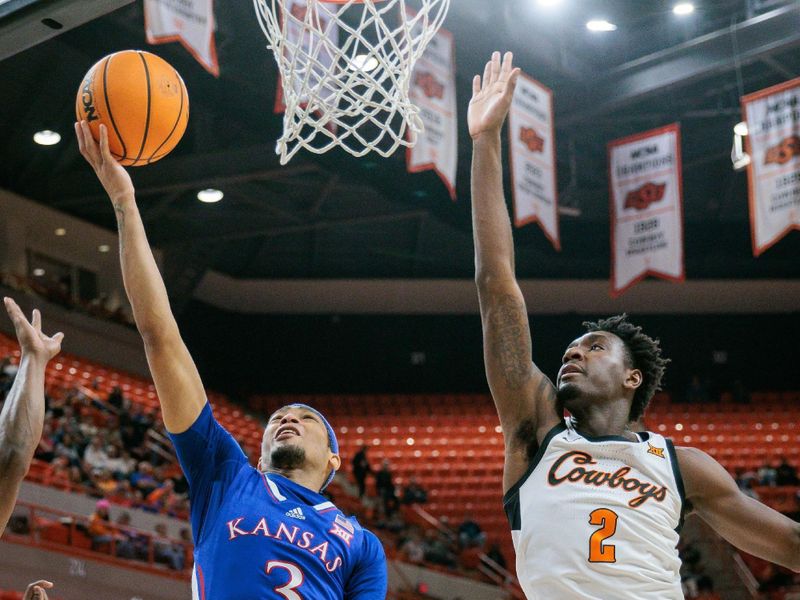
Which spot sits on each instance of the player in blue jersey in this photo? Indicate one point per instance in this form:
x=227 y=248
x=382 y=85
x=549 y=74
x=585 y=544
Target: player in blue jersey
x=263 y=532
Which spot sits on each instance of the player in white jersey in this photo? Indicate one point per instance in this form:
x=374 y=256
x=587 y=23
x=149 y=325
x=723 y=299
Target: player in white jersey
x=594 y=508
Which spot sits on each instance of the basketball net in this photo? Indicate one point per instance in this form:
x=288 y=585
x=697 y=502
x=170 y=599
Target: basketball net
x=346 y=70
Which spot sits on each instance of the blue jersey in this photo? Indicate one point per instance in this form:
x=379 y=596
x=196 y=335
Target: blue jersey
x=262 y=536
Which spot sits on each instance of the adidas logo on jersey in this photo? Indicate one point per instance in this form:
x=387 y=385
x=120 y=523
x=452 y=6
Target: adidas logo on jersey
x=296 y=513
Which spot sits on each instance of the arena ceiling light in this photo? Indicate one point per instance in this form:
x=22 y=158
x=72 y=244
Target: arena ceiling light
x=60 y=232
x=683 y=8
x=38 y=272
x=46 y=137
x=103 y=248
x=548 y=3
x=210 y=196
x=600 y=25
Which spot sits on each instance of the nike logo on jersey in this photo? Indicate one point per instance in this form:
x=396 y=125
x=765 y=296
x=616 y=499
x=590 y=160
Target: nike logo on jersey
x=296 y=513
x=560 y=472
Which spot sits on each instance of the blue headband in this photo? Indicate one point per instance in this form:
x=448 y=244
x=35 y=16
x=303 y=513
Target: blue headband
x=333 y=443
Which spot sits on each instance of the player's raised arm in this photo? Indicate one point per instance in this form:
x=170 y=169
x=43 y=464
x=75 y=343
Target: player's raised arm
x=177 y=381
x=743 y=521
x=524 y=397
x=22 y=417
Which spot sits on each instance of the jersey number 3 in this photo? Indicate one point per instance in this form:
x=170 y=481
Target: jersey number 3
x=599 y=552
x=295 y=579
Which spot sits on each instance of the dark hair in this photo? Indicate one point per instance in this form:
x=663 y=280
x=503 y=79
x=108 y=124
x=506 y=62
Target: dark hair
x=644 y=353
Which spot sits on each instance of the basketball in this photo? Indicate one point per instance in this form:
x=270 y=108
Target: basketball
x=142 y=101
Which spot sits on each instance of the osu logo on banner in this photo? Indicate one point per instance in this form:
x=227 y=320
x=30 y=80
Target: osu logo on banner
x=429 y=84
x=646 y=195
x=531 y=139
x=783 y=152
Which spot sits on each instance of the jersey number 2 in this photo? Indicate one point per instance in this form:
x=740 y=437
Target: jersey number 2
x=295 y=579
x=599 y=552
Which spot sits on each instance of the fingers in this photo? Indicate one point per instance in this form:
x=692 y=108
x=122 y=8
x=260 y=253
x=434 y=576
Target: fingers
x=495 y=67
x=476 y=85
x=59 y=337
x=511 y=82
x=508 y=64
x=36 y=321
x=487 y=75
x=90 y=150
x=14 y=311
x=104 y=151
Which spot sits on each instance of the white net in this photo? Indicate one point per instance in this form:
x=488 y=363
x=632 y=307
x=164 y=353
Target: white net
x=346 y=69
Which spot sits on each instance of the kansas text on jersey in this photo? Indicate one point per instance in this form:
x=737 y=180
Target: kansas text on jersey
x=598 y=518
x=266 y=537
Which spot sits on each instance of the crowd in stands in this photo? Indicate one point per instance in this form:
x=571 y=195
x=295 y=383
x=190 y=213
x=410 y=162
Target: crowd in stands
x=696 y=584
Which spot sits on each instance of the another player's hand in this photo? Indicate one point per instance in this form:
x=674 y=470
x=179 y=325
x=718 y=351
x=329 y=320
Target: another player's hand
x=29 y=334
x=112 y=175
x=36 y=590
x=491 y=97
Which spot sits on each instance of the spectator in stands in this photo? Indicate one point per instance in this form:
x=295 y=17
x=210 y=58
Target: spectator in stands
x=470 y=533
x=413 y=548
x=57 y=472
x=384 y=484
x=47 y=445
x=116 y=399
x=104 y=482
x=744 y=478
x=100 y=529
x=142 y=479
x=161 y=497
x=413 y=493
x=438 y=549
x=134 y=544
x=767 y=475
x=697 y=391
x=95 y=457
x=118 y=466
x=165 y=551
x=22 y=416
x=361 y=468
x=785 y=474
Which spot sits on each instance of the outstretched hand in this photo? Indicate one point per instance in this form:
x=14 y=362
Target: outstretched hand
x=112 y=175
x=491 y=97
x=36 y=590
x=29 y=334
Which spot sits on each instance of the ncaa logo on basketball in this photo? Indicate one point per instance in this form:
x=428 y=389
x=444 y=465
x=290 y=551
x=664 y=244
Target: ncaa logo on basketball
x=87 y=99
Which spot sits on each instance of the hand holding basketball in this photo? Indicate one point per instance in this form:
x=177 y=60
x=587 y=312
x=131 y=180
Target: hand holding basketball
x=491 y=97
x=112 y=175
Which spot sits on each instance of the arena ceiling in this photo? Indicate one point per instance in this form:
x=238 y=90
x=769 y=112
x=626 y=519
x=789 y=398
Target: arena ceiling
x=338 y=217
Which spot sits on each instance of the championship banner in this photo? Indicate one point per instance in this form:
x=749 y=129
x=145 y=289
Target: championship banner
x=190 y=22
x=646 y=196
x=773 y=143
x=298 y=37
x=533 y=157
x=433 y=90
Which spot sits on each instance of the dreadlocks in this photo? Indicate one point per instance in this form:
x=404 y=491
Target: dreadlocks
x=643 y=353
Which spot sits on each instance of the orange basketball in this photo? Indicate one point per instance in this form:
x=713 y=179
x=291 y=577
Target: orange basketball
x=140 y=99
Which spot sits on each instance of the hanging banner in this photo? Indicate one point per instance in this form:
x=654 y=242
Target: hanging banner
x=773 y=143
x=533 y=158
x=190 y=22
x=299 y=37
x=433 y=90
x=646 y=197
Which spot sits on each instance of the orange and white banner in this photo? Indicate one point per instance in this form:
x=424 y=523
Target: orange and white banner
x=533 y=158
x=301 y=42
x=646 y=195
x=773 y=143
x=190 y=22
x=433 y=90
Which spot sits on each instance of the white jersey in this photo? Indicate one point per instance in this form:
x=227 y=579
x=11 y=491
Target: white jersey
x=598 y=518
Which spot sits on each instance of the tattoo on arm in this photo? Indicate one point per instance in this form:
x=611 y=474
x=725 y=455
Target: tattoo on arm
x=512 y=342
x=120 y=223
